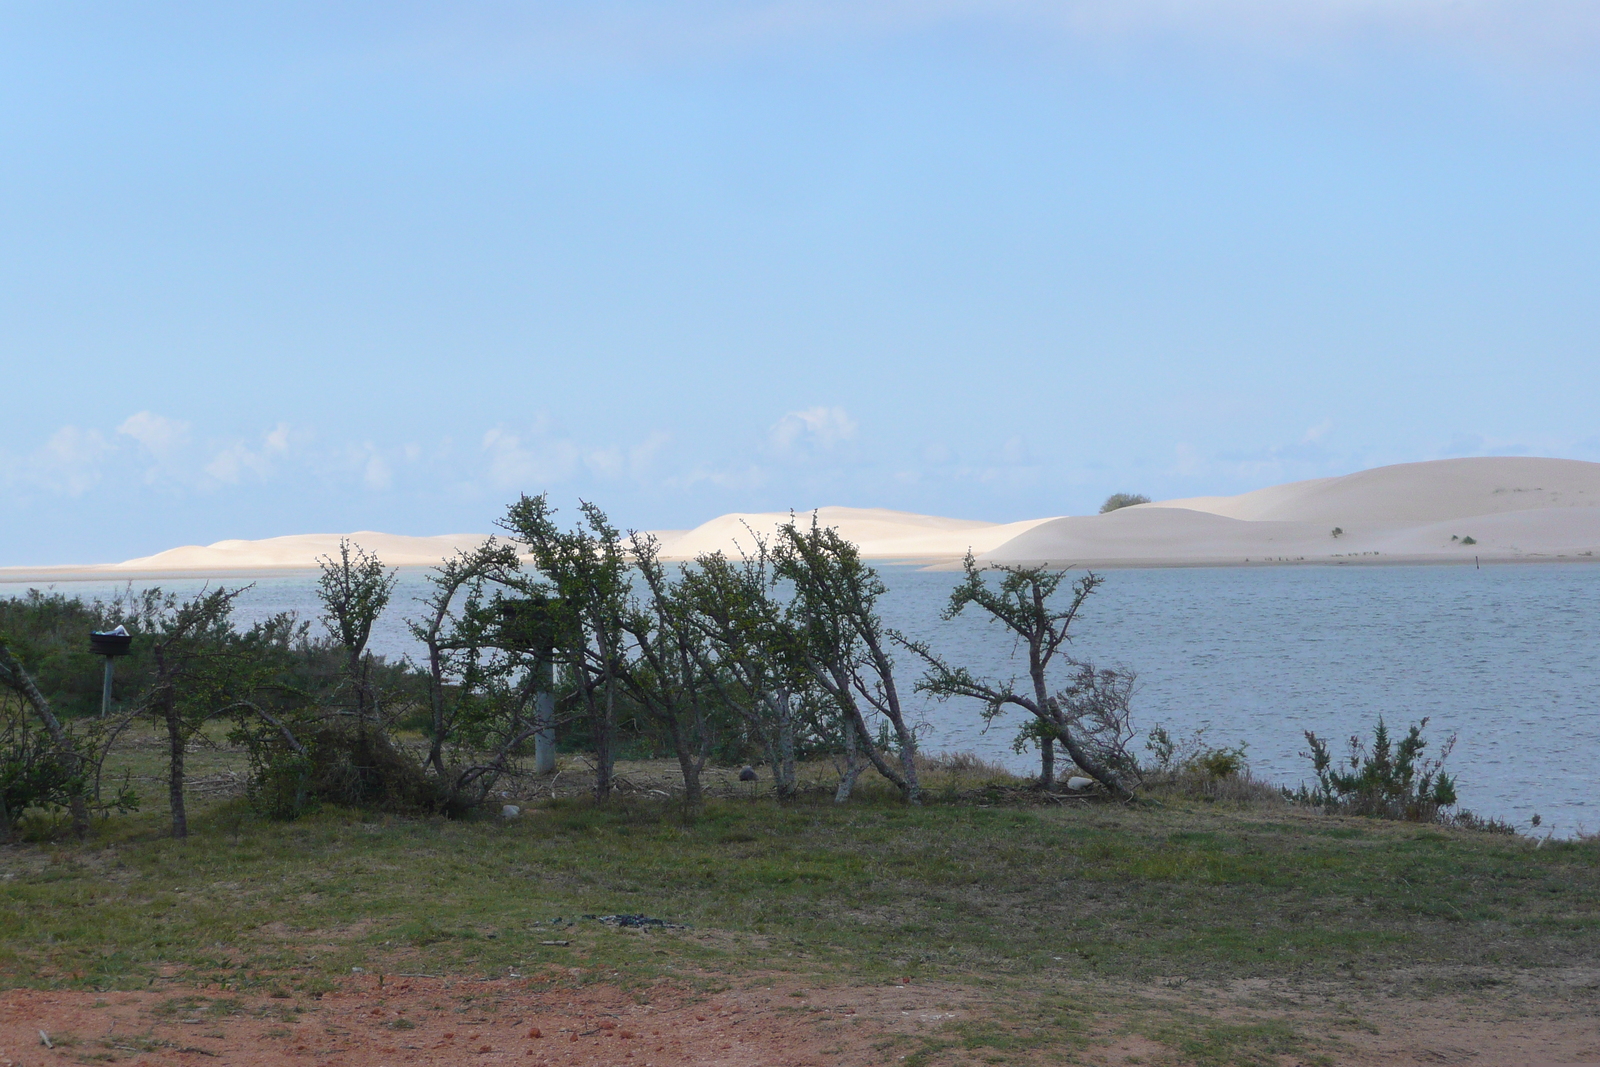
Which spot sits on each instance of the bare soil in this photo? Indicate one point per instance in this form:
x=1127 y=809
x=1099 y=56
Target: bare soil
x=427 y=1020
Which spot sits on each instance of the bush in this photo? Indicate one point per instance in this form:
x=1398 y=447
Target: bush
x=341 y=764
x=1190 y=767
x=1123 y=500
x=33 y=775
x=1385 y=781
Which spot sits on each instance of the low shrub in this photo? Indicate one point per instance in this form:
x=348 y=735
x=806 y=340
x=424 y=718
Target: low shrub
x=1388 y=780
x=1117 y=501
x=1191 y=767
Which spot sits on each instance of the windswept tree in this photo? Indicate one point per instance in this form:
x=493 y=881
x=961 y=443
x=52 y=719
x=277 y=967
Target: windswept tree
x=459 y=630
x=742 y=653
x=667 y=672
x=585 y=571
x=355 y=590
x=837 y=637
x=1088 y=715
x=203 y=668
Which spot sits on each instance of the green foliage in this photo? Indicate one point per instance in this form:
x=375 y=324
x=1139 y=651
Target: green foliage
x=1387 y=780
x=49 y=634
x=354 y=590
x=1193 y=755
x=280 y=784
x=1122 y=500
x=34 y=773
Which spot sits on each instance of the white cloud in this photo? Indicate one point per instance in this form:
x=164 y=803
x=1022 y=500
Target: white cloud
x=642 y=456
x=527 y=467
x=1317 y=432
x=159 y=435
x=69 y=463
x=812 y=431
x=376 y=473
x=233 y=462
x=1015 y=451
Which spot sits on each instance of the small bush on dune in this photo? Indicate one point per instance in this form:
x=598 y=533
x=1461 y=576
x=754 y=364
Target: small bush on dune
x=1122 y=500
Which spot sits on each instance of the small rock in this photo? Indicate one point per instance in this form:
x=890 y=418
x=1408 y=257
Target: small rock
x=536 y=1032
x=510 y=811
x=1078 y=781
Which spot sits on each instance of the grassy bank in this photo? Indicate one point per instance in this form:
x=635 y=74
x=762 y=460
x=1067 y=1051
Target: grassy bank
x=1026 y=899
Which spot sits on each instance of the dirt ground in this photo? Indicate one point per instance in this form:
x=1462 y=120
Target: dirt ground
x=428 y=1021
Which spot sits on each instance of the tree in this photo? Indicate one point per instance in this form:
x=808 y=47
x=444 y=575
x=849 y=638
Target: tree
x=667 y=675
x=835 y=635
x=66 y=755
x=1078 y=716
x=202 y=668
x=458 y=631
x=586 y=571
x=1122 y=500
x=742 y=653
x=355 y=590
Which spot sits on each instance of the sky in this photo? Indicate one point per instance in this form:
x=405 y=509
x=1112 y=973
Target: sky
x=285 y=268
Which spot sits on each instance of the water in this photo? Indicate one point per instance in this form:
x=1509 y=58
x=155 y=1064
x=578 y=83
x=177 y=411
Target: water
x=1507 y=658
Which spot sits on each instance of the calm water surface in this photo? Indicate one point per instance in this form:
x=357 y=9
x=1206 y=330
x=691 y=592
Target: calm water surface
x=1507 y=658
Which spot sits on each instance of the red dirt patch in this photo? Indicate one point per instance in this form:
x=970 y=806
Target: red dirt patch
x=454 y=1021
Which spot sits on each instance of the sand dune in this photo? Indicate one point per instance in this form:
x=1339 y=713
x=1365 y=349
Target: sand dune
x=1511 y=508
x=294 y=552
x=879 y=533
x=1415 y=492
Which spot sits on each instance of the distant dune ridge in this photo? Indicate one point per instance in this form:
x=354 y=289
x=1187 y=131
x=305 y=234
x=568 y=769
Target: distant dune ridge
x=1512 y=508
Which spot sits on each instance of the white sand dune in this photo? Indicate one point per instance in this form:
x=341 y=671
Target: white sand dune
x=1416 y=492
x=302 y=551
x=294 y=552
x=877 y=532
x=1511 y=508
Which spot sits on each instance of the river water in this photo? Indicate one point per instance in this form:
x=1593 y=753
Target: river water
x=1506 y=658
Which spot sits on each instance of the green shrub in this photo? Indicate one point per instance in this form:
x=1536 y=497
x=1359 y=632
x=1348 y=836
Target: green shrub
x=1191 y=767
x=1387 y=781
x=1122 y=500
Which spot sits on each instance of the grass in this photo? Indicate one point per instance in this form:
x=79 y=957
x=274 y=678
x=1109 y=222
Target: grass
x=1035 y=899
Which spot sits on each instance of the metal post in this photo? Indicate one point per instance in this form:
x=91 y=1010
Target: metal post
x=544 y=713
x=105 y=692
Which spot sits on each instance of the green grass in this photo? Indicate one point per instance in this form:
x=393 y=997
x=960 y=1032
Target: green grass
x=867 y=890
x=1025 y=903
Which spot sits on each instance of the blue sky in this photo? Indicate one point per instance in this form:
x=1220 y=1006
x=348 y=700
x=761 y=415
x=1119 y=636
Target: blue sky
x=271 y=269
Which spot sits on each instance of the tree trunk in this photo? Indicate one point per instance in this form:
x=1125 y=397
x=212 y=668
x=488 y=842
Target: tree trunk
x=909 y=785
x=783 y=769
x=1047 y=763
x=693 y=797
x=853 y=766
x=175 y=754
x=604 y=721
x=436 y=698
x=1051 y=716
